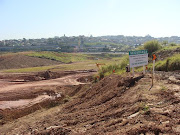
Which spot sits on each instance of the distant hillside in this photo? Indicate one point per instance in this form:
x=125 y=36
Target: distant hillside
x=82 y=43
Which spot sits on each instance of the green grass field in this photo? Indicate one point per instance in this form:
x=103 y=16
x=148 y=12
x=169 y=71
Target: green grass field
x=62 y=57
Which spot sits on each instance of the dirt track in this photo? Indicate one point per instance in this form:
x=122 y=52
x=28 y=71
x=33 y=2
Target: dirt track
x=23 y=90
x=14 y=86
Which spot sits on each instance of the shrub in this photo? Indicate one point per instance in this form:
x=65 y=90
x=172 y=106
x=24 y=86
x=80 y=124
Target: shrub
x=152 y=46
x=107 y=70
x=173 y=44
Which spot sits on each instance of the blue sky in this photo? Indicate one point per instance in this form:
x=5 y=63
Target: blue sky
x=49 y=18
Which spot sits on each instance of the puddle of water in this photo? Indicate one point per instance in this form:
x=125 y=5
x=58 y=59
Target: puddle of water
x=24 y=102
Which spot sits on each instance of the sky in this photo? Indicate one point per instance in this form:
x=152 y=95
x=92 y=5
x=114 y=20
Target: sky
x=48 y=18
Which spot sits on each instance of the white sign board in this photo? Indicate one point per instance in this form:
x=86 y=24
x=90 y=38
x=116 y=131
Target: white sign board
x=138 y=58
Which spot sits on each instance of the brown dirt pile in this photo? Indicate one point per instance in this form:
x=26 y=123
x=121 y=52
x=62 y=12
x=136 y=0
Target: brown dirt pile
x=23 y=61
x=115 y=105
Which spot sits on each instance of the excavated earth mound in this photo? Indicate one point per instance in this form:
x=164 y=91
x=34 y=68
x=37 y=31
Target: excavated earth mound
x=23 y=61
x=115 y=105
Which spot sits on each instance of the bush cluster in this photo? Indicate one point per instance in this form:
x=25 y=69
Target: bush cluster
x=152 y=46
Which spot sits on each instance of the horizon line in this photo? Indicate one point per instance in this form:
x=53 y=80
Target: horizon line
x=89 y=36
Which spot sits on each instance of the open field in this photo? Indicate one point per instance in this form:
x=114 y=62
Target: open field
x=67 y=99
x=78 y=65
x=85 y=65
x=62 y=57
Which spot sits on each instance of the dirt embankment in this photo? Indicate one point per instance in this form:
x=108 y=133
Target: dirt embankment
x=23 y=61
x=167 y=53
x=115 y=105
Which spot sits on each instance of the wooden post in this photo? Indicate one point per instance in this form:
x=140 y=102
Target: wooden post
x=152 y=79
x=133 y=71
x=144 y=70
x=153 y=72
x=153 y=57
x=153 y=65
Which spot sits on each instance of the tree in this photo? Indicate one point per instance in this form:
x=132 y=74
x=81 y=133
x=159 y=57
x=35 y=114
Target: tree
x=152 y=46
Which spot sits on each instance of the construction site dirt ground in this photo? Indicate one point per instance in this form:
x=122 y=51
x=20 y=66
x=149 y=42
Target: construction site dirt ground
x=114 y=105
x=18 y=87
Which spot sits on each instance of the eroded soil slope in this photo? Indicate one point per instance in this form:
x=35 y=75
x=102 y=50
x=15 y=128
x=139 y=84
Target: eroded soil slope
x=114 y=105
